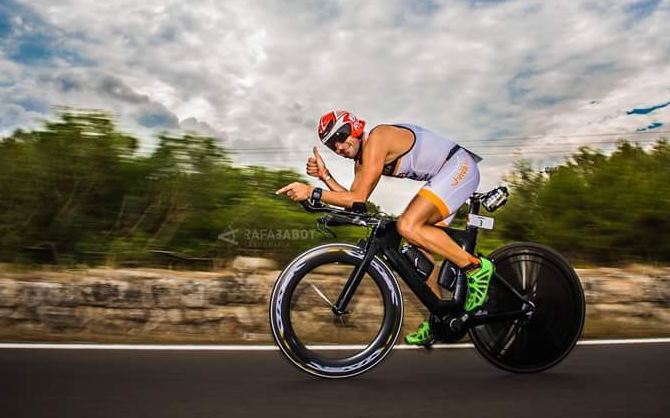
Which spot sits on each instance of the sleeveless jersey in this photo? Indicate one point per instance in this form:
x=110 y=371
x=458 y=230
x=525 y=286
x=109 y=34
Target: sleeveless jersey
x=425 y=158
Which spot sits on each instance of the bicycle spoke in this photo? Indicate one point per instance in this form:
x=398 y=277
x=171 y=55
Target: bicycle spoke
x=320 y=293
x=341 y=318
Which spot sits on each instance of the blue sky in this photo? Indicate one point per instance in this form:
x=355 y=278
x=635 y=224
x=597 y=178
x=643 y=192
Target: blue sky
x=29 y=40
x=259 y=74
x=642 y=8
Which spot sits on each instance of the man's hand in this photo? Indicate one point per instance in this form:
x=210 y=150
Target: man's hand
x=297 y=191
x=315 y=165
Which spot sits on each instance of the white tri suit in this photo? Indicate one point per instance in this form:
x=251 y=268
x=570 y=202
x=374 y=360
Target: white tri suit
x=450 y=171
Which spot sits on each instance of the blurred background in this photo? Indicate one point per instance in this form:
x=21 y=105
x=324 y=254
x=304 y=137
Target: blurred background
x=141 y=145
x=99 y=243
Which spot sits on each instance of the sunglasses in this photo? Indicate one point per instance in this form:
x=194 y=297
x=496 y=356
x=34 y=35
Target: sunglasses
x=338 y=137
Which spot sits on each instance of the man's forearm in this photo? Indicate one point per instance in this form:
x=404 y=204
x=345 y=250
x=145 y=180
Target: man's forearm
x=341 y=198
x=333 y=184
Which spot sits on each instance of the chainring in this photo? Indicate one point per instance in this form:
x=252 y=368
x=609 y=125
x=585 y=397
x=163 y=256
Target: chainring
x=443 y=332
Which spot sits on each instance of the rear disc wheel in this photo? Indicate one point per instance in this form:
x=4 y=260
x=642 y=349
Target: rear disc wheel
x=545 y=337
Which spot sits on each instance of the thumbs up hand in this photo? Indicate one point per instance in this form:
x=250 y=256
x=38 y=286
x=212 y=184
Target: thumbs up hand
x=315 y=165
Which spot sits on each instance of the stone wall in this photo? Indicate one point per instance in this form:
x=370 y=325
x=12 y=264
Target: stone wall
x=149 y=305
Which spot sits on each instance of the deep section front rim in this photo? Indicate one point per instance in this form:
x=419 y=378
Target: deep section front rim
x=295 y=347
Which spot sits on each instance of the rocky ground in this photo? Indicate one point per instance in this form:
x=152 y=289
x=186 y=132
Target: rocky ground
x=230 y=306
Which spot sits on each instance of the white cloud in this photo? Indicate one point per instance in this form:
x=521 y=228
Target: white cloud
x=259 y=74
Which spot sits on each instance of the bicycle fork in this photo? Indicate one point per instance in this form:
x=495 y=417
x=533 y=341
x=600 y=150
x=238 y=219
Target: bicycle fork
x=340 y=307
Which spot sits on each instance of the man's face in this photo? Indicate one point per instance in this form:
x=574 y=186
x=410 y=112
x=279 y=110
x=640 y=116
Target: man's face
x=348 y=148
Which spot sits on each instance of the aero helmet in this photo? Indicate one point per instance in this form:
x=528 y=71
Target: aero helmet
x=335 y=127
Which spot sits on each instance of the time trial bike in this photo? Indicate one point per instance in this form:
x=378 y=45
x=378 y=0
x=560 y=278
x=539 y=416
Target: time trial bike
x=336 y=310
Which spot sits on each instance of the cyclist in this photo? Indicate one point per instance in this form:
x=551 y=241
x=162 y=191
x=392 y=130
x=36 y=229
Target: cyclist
x=406 y=151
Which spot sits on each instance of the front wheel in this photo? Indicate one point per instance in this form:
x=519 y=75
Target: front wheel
x=312 y=336
x=545 y=337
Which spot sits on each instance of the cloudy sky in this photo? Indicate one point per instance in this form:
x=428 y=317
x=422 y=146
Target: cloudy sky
x=508 y=79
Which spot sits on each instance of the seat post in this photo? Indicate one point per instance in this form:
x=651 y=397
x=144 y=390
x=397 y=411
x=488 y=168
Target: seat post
x=474 y=210
x=475 y=204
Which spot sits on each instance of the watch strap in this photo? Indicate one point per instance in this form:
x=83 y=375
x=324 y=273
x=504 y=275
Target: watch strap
x=316 y=194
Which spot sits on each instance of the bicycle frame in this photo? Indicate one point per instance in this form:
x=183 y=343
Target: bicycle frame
x=385 y=240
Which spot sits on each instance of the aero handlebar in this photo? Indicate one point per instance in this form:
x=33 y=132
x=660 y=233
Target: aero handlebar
x=338 y=217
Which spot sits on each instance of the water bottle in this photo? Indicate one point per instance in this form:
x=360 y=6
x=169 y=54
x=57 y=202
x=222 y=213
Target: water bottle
x=419 y=261
x=448 y=273
x=495 y=198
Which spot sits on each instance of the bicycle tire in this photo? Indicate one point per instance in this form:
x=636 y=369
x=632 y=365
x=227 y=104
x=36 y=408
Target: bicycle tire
x=542 y=341
x=296 y=350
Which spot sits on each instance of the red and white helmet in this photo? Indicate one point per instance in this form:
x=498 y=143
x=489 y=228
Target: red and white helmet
x=335 y=127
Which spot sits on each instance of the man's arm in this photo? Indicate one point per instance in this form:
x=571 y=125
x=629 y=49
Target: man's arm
x=316 y=167
x=367 y=175
x=332 y=184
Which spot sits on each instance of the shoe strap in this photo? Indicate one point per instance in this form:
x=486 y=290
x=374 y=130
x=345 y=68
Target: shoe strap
x=471 y=267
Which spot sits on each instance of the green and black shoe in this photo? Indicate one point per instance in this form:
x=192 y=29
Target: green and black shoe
x=422 y=336
x=479 y=278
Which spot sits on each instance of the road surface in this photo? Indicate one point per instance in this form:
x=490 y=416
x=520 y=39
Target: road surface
x=594 y=381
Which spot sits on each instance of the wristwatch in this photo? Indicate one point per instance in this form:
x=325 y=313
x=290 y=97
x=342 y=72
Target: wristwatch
x=316 y=194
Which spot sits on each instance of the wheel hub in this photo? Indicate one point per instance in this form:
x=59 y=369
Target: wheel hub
x=529 y=309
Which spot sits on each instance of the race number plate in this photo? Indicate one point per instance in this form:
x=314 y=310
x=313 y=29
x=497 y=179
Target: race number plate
x=480 y=221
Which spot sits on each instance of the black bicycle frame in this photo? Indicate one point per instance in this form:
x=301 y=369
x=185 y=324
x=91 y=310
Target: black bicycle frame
x=385 y=240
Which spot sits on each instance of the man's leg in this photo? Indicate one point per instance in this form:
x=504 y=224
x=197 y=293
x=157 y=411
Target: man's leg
x=441 y=196
x=444 y=193
x=417 y=226
x=432 y=279
x=412 y=226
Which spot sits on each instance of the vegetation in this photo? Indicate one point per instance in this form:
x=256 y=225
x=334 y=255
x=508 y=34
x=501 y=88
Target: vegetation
x=594 y=208
x=78 y=191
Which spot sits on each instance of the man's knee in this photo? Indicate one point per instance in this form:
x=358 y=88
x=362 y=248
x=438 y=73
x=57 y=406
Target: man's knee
x=406 y=227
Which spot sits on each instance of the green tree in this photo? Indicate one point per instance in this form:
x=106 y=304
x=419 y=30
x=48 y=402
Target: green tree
x=595 y=208
x=78 y=190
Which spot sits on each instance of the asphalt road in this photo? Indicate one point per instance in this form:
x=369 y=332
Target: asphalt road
x=594 y=381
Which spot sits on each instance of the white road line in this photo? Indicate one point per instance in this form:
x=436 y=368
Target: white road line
x=625 y=341
x=241 y=347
